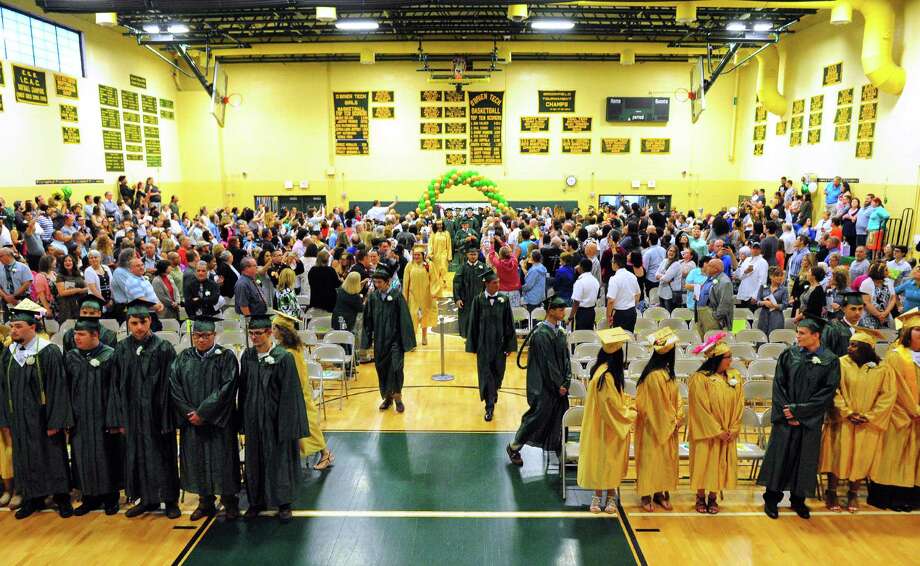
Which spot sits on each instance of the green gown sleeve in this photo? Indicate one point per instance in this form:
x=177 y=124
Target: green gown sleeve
x=780 y=395
x=5 y=394
x=367 y=330
x=177 y=392
x=57 y=393
x=472 y=331
x=292 y=413
x=510 y=344
x=164 y=357
x=405 y=324
x=217 y=409
x=811 y=412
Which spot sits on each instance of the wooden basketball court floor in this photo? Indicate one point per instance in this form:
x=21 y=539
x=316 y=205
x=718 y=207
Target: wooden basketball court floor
x=434 y=485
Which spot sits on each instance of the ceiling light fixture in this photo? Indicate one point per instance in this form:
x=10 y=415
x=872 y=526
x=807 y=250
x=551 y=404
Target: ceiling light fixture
x=736 y=26
x=177 y=28
x=325 y=14
x=552 y=25
x=357 y=25
x=763 y=26
x=151 y=28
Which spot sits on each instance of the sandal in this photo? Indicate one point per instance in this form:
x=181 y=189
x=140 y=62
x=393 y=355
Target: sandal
x=852 y=501
x=324 y=462
x=647 y=504
x=663 y=500
x=712 y=507
x=595 y=504
x=611 y=508
x=701 y=504
x=830 y=501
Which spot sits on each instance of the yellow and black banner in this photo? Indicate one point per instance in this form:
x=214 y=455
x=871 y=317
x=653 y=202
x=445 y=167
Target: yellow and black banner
x=132 y=117
x=866 y=131
x=781 y=128
x=455 y=159
x=1 y=76
x=655 y=145
x=455 y=144
x=486 y=110
x=615 y=145
x=798 y=106
x=430 y=128
x=135 y=157
x=114 y=162
x=814 y=136
x=151 y=120
x=154 y=161
x=534 y=145
x=534 y=123
x=576 y=145
x=556 y=101
x=431 y=112
x=151 y=132
x=110 y=118
x=111 y=140
x=795 y=138
x=1 y=102
x=167 y=114
x=869 y=92
x=454 y=96
x=760 y=114
x=383 y=96
x=868 y=111
x=796 y=125
x=30 y=85
x=760 y=132
x=455 y=111
x=136 y=81
x=758 y=149
x=431 y=96
x=152 y=147
x=455 y=128
x=815 y=119
x=66 y=86
x=130 y=101
x=108 y=96
x=69 y=113
x=576 y=124
x=168 y=104
x=431 y=144
x=864 y=149
x=133 y=133
x=351 y=123
x=817 y=103
x=383 y=112
x=845 y=97
x=832 y=74
x=71 y=135
x=842 y=132
x=134 y=148
x=844 y=115
x=148 y=104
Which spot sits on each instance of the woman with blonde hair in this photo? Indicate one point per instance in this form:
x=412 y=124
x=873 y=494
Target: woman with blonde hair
x=285 y=295
x=348 y=303
x=284 y=330
x=417 y=291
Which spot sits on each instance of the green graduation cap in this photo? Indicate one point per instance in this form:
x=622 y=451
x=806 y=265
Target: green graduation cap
x=556 y=303
x=259 y=321
x=205 y=324
x=90 y=323
x=381 y=273
x=91 y=302
x=139 y=307
x=813 y=323
x=472 y=247
x=852 y=298
x=489 y=276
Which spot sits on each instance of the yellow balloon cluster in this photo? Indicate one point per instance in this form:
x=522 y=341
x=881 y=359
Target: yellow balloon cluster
x=440 y=184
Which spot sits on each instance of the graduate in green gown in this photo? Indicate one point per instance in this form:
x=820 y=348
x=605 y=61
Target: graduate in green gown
x=95 y=440
x=35 y=408
x=143 y=360
x=274 y=419
x=388 y=326
x=804 y=386
x=548 y=376
x=462 y=238
x=491 y=337
x=203 y=382
x=90 y=307
x=467 y=285
x=836 y=335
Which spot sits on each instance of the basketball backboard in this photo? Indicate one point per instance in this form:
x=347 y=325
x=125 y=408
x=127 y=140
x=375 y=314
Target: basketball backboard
x=697 y=92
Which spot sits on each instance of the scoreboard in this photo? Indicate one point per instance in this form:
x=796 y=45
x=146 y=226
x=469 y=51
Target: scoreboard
x=637 y=109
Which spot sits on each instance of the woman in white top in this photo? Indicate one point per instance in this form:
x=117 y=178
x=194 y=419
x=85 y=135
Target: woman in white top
x=670 y=280
x=98 y=278
x=878 y=296
x=824 y=225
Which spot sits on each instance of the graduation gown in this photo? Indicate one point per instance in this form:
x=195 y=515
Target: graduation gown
x=151 y=471
x=388 y=326
x=836 y=337
x=417 y=290
x=659 y=411
x=852 y=451
x=96 y=453
x=460 y=238
x=316 y=441
x=106 y=337
x=898 y=459
x=715 y=404
x=806 y=382
x=491 y=337
x=209 y=454
x=34 y=398
x=467 y=284
x=548 y=368
x=440 y=253
x=274 y=420
x=604 y=442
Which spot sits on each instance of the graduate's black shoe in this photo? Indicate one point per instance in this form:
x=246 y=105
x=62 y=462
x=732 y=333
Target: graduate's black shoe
x=172 y=511
x=802 y=511
x=65 y=509
x=400 y=408
x=514 y=455
x=489 y=415
x=386 y=404
x=28 y=507
x=87 y=506
x=771 y=510
x=253 y=512
x=140 y=508
x=111 y=508
x=285 y=514
x=202 y=512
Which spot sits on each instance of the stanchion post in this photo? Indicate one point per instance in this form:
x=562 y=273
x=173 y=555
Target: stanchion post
x=443 y=376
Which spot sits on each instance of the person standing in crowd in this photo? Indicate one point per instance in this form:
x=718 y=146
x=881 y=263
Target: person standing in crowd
x=90 y=307
x=772 y=298
x=417 y=290
x=387 y=325
x=15 y=279
x=623 y=294
x=548 y=378
x=35 y=411
x=96 y=445
x=440 y=254
x=753 y=276
x=657 y=423
x=467 y=285
x=584 y=297
x=852 y=435
x=837 y=333
x=203 y=383
x=274 y=419
x=533 y=289
x=605 y=429
x=348 y=304
x=505 y=264
x=715 y=308
x=491 y=336
x=879 y=297
x=804 y=385
x=895 y=479
x=165 y=290
x=832 y=191
x=909 y=290
x=670 y=280
x=324 y=281
x=145 y=412
x=203 y=295
x=715 y=408
x=248 y=296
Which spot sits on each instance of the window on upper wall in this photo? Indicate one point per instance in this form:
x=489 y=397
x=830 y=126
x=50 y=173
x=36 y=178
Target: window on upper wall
x=32 y=41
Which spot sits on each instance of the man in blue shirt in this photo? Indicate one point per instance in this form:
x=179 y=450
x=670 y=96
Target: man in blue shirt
x=862 y=220
x=832 y=193
x=652 y=258
x=15 y=279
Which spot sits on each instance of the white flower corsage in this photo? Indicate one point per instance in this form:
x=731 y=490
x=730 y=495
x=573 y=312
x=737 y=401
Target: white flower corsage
x=217 y=351
x=389 y=297
x=30 y=360
x=816 y=360
x=269 y=360
x=871 y=365
x=94 y=362
x=501 y=299
x=733 y=382
x=207 y=293
x=139 y=350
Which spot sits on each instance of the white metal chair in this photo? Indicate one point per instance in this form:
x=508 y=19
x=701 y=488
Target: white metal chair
x=751 y=451
x=308 y=337
x=683 y=369
x=315 y=373
x=170 y=325
x=577 y=392
x=630 y=387
x=67 y=325
x=673 y=323
x=334 y=356
x=634 y=370
x=683 y=313
x=231 y=314
x=646 y=325
x=758 y=393
x=537 y=315
x=227 y=325
x=657 y=314
x=739 y=366
x=771 y=350
x=346 y=340
x=729 y=338
x=752 y=335
x=577 y=337
x=109 y=323
x=585 y=355
x=762 y=369
x=744 y=352
x=53 y=327
x=653 y=297
x=521 y=319
x=788 y=324
x=233 y=339
x=58 y=340
x=570 y=448
x=170 y=336
x=783 y=335
x=688 y=337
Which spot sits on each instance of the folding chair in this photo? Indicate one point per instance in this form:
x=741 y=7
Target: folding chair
x=170 y=325
x=235 y=340
x=758 y=393
x=333 y=355
x=234 y=325
x=521 y=320
x=762 y=369
x=577 y=337
x=52 y=326
x=634 y=370
x=320 y=325
x=584 y=356
x=747 y=450
x=630 y=388
x=783 y=335
x=346 y=340
x=752 y=335
x=771 y=350
x=570 y=448
x=729 y=338
x=656 y=313
x=744 y=352
x=683 y=369
x=683 y=313
x=67 y=325
x=577 y=392
x=109 y=323
x=673 y=323
x=537 y=315
x=170 y=336
x=315 y=373
x=309 y=339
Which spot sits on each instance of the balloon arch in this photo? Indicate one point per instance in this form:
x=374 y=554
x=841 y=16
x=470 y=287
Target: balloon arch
x=438 y=185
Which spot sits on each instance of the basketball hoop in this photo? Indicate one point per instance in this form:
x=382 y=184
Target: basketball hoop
x=683 y=95
x=234 y=100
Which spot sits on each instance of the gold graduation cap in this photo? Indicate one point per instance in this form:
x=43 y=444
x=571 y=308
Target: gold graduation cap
x=612 y=339
x=663 y=340
x=868 y=336
x=908 y=320
x=286 y=320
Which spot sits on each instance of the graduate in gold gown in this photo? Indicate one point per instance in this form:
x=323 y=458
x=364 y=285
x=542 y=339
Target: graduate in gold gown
x=850 y=443
x=659 y=417
x=417 y=290
x=893 y=480
x=284 y=329
x=604 y=451
x=440 y=253
x=715 y=406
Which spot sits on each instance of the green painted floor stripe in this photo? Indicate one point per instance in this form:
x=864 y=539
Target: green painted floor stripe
x=458 y=514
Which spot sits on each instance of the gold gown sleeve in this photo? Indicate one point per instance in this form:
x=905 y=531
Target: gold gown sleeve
x=614 y=411
x=880 y=414
x=653 y=403
x=703 y=422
